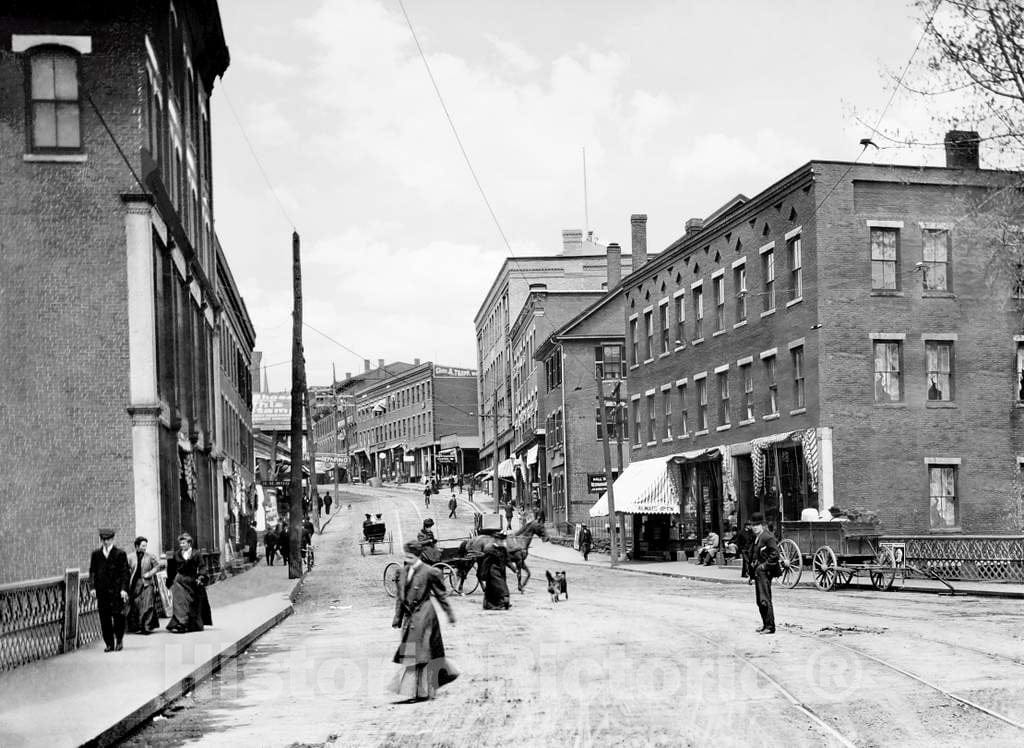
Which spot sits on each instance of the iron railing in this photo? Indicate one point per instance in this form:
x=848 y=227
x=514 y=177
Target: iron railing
x=967 y=558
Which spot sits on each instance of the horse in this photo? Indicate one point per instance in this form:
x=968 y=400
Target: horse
x=518 y=545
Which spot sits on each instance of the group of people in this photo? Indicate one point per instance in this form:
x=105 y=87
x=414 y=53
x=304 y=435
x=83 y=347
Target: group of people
x=278 y=540
x=125 y=589
x=432 y=485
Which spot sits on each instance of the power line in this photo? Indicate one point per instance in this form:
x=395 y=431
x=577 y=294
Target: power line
x=117 y=145
x=256 y=158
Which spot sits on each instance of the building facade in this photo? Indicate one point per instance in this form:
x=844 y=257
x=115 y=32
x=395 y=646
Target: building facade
x=108 y=299
x=832 y=342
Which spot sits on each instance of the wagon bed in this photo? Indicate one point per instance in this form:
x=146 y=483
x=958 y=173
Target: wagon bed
x=836 y=552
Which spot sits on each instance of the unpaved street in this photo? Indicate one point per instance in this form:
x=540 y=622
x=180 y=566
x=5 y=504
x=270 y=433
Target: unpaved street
x=628 y=660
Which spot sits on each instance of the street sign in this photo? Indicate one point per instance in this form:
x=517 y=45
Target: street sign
x=598 y=482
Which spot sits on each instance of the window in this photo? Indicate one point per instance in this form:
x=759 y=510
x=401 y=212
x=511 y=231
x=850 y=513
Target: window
x=1020 y=372
x=798 y=376
x=939 y=364
x=608 y=362
x=773 y=386
x=680 y=319
x=55 y=111
x=884 y=258
x=634 y=344
x=719 y=303
x=665 y=326
x=748 y=392
x=684 y=427
x=666 y=406
x=552 y=371
x=698 y=313
x=796 y=265
x=649 y=331
x=635 y=405
x=935 y=268
x=739 y=276
x=888 y=384
x=942 y=497
x=614 y=418
x=702 y=405
x=768 y=268
x=652 y=419
x=723 y=402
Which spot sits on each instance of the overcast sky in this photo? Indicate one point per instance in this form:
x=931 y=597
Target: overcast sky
x=680 y=105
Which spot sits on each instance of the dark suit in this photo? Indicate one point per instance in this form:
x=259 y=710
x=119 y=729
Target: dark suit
x=765 y=557
x=110 y=575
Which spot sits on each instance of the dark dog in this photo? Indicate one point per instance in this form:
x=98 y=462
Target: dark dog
x=557 y=585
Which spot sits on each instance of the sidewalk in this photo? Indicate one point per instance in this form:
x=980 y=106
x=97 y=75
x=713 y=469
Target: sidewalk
x=95 y=698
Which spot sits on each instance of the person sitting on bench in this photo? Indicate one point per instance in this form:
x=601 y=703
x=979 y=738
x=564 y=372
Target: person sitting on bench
x=708 y=549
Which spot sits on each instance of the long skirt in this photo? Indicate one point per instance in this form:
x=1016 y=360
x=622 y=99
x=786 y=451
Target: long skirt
x=142 y=616
x=421 y=652
x=190 y=606
x=495 y=587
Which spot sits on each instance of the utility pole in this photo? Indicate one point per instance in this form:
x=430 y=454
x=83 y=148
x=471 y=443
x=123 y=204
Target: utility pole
x=298 y=388
x=334 y=397
x=613 y=543
x=618 y=440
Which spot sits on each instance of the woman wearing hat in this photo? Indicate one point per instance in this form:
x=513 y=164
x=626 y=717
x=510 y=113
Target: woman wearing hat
x=491 y=571
x=190 y=607
x=428 y=542
x=421 y=651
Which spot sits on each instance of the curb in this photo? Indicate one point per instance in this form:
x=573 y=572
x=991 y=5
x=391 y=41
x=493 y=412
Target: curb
x=114 y=734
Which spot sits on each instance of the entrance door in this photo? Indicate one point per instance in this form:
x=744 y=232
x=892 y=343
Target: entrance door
x=745 y=500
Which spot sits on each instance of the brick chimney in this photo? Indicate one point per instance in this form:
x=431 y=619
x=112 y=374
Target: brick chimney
x=638 y=223
x=572 y=242
x=366 y=364
x=348 y=375
x=694 y=225
x=962 y=149
x=380 y=363
x=614 y=265
x=415 y=362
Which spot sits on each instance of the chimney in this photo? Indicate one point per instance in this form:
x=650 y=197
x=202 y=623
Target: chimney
x=380 y=364
x=694 y=226
x=415 y=362
x=614 y=265
x=572 y=242
x=348 y=375
x=366 y=364
x=962 y=149
x=638 y=222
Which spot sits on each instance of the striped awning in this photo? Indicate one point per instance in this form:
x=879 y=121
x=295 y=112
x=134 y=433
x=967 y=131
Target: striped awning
x=506 y=468
x=645 y=487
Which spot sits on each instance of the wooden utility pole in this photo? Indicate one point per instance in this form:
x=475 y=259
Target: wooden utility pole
x=613 y=544
x=298 y=388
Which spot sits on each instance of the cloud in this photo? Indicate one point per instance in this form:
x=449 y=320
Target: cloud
x=514 y=55
x=263 y=64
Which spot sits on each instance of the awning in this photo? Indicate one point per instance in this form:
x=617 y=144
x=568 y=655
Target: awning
x=531 y=454
x=695 y=455
x=645 y=487
x=485 y=475
x=506 y=468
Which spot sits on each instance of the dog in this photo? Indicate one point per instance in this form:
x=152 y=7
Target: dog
x=557 y=585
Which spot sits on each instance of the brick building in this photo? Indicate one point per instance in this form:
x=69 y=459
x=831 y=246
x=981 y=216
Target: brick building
x=107 y=278
x=418 y=422
x=581 y=266
x=836 y=340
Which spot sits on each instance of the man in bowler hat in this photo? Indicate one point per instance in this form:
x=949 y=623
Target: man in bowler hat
x=109 y=572
x=764 y=559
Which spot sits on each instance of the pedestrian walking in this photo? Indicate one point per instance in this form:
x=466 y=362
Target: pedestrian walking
x=327 y=503
x=471 y=487
x=186 y=573
x=765 y=563
x=426 y=495
x=284 y=543
x=270 y=545
x=425 y=668
x=586 y=542
x=320 y=506
x=491 y=572
x=451 y=484
x=509 y=509
x=459 y=484
x=252 y=543
x=143 y=567
x=110 y=575
x=452 y=506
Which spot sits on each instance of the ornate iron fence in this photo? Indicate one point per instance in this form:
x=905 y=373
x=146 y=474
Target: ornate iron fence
x=31 y=621
x=968 y=558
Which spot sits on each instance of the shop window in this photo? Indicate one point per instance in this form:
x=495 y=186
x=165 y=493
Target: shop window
x=53 y=86
x=939 y=365
x=888 y=377
x=942 y=497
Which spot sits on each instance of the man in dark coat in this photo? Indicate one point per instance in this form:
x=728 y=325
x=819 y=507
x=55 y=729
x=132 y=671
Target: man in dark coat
x=109 y=572
x=251 y=541
x=765 y=564
x=586 y=541
x=327 y=502
x=270 y=542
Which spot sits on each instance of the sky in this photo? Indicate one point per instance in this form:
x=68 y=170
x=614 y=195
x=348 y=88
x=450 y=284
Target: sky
x=327 y=122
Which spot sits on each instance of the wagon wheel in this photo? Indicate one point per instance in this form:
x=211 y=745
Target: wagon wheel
x=392 y=573
x=792 y=564
x=472 y=581
x=449 y=577
x=825 y=568
x=884 y=571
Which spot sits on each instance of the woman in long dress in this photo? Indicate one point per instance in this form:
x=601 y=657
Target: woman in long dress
x=421 y=651
x=491 y=571
x=190 y=607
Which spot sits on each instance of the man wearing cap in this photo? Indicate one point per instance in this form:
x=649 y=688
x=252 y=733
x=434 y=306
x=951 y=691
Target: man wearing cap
x=764 y=560
x=109 y=572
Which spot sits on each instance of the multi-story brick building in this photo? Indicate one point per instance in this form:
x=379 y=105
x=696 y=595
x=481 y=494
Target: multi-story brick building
x=236 y=338
x=835 y=340
x=402 y=421
x=581 y=266
x=108 y=275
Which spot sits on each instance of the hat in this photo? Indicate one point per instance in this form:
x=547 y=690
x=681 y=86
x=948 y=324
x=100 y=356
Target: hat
x=368 y=516
x=757 y=518
x=106 y=533
x=428 y=522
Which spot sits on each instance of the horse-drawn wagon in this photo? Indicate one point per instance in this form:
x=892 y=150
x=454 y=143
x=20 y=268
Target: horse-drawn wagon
x=836 y=552
x=374 y=534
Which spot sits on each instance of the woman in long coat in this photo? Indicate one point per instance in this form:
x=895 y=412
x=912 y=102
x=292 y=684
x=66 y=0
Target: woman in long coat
x=142 y=618
x=491 y=571
x=421 y=651
x=190 y=607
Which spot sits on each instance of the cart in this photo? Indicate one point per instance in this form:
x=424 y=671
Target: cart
x=836 y=552
x=456 y=569
x=374 y=534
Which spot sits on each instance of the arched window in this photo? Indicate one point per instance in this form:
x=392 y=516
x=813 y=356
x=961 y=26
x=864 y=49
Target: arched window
x=54 y=100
